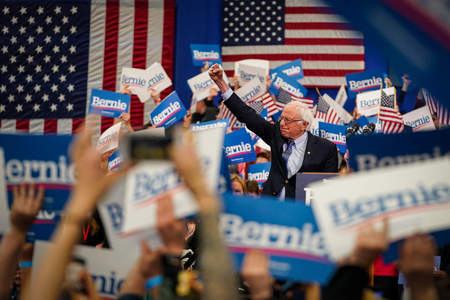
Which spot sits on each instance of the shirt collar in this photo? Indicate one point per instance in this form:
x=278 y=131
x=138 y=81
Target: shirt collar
x=301 y=139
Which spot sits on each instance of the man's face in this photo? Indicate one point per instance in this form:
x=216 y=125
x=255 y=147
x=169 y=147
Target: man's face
x=290 y=127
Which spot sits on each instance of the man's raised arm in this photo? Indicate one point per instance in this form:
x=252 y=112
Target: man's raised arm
x=244 y=113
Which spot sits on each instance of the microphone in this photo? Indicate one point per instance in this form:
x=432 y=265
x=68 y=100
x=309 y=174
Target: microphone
x=350 y=131
x=369 y=129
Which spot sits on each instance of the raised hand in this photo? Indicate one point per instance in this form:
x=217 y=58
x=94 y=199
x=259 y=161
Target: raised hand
x=255 y=272
x=26 y=205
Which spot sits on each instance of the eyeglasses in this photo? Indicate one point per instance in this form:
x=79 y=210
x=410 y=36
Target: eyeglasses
x=287 y=120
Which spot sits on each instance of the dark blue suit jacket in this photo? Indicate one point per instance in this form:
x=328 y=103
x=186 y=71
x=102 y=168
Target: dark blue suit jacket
x=320 y=154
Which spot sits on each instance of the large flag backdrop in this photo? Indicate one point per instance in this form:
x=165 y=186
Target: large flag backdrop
x=284 y=30
x=52 y=53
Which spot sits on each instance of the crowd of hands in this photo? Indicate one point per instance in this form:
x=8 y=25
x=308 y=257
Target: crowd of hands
x=416 y=254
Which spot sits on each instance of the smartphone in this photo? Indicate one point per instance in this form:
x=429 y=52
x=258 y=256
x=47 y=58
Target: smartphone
x=148 y=144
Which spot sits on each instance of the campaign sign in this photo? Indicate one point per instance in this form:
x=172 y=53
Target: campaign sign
x=114 y=161
x=334 y=133
x=112 y=214
x=415 y=198
x=150 y=180
x=291 y=69
x=377 y=151
x=202 y=53
x=136 y=80
x=341 y=96
x=369 y=103
x=109 y=104
x=201 y=83
x=248 y=72
x=258 y=63
x=288 y=235
x=168 y=112
x=47 y=165
x=157 y=78
x=223 y=123
x=419 y=119
x=251 y=90
x=108 y=268
x=4 y=209
x=290 y=85
x=363 y=82
x=109 y=139
x=259 y=172
x=239 y=147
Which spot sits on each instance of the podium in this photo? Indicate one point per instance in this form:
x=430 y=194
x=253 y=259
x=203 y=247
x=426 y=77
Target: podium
x=302 y=190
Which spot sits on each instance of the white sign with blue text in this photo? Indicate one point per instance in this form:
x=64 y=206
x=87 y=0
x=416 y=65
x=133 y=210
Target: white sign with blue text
x=202 y=53
x=259 y=172
x=251 y=90
x=248 y=72
x=47 y=165
x=201 y=83
x=168 y=112
x=239 y=147
x=109 y=104
x=415 y=198
x=368 y=103
x=419 y=119
x=109 y=140
x=291 y=69
x=108 y=268
x=157 y=78
x=136 y=81
x=4 y=209
x=150 y=180
x=223 y=123
x=288 y=235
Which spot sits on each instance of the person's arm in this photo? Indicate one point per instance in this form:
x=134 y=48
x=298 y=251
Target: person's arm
x=26 y=205
x=406 y=83
x=91 y=184
x=417 y=263
x=255 y=272
x=147 y=266
x=244 y=113
x=352 y=277
x=219 y=279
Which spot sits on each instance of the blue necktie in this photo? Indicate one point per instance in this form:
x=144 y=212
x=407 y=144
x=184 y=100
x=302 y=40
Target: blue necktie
x=288 y=151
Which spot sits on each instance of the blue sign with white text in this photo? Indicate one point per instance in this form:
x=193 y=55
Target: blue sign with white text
x=202 y=53
x=114 y=161
x=109 y=104
x=239 y=147
x=168 y=112
x=292 y=69
x=376 y=151
x=223 y=123
x=285 y=231
x=363 y=82
x=289 y=84
x=47 y=165
x=259 y=172
x=334 y=133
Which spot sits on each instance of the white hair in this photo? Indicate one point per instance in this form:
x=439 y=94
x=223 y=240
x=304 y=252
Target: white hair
x=302 y=111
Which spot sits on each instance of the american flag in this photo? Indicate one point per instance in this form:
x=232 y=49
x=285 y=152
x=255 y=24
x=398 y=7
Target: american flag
x=326 y=113
x=307 y=101
x=391 y=120
x=269 y=104
x=283 y=98
x=281 y=31
x=53 y=53
x=257 y=105
x=435 y=107
x=224 y=113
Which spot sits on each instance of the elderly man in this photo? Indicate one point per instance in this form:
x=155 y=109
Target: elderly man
x=293 y=148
